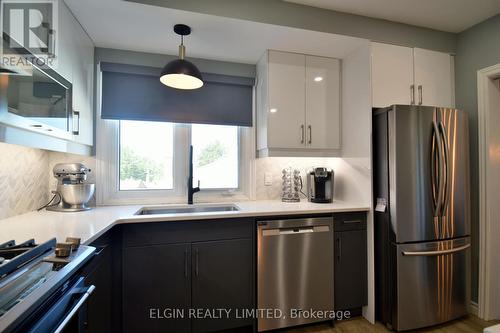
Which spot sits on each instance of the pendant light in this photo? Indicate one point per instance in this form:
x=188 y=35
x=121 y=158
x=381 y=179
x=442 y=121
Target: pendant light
x=180 y=73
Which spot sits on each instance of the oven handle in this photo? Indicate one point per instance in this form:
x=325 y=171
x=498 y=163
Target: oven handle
x=88 y=291
x=57 y=316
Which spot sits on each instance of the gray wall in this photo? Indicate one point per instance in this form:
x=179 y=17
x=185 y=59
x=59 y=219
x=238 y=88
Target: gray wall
x=477 y=48
x=299 y=16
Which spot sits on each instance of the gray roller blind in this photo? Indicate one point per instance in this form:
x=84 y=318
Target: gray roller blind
x=132 y=92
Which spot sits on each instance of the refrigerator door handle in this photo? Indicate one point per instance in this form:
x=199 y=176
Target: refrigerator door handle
x=437 y=173
x=434 y=176
x=435 y=253
x=446 y=169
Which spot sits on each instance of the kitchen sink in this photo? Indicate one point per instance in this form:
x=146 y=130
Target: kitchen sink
x=187 y=209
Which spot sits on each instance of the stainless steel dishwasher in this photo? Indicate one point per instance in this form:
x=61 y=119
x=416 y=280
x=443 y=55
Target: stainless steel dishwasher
x=295 y=271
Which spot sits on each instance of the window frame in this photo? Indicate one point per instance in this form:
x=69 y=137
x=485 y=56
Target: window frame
x=108 y=160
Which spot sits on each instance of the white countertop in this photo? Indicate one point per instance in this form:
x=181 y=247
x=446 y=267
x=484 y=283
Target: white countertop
x=89 y=225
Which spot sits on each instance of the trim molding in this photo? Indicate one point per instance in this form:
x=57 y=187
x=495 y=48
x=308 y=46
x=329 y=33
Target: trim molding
x=485 y=238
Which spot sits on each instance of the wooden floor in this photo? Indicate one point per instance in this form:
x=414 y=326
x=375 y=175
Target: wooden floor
x=470 y=324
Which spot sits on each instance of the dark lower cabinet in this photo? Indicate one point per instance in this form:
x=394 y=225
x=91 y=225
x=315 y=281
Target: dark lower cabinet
x=350 y=269
x=222 y=280
x=156 y=285
x=148 y=276
x=98 y=272
x=202 y=274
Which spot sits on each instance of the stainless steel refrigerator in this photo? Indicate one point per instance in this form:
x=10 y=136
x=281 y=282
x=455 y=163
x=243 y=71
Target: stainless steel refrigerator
x=422 y=216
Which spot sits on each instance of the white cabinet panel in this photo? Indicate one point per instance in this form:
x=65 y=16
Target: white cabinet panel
x=433 y=78
x=323 y=121
x=83 y=77
x=286 y=100
x=65 y=47
x=76 y=64
x=261 y=101
x=392 y=74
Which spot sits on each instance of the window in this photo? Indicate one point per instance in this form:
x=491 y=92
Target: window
x=146 y=155
x=215 y=156
x=147 y=162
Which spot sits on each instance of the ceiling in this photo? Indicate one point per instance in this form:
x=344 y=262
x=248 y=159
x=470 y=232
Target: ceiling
x=446 y=15
x=136 y=27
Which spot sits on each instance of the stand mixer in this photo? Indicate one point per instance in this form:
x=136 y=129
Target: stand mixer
x=72 y=191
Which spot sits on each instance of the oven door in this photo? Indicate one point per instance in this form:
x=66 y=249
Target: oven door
x=61 y=313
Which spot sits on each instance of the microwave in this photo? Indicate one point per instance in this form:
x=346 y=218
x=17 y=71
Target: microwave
x=36 y=98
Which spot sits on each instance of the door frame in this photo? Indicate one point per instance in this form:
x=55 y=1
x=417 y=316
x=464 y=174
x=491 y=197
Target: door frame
x=488 y=249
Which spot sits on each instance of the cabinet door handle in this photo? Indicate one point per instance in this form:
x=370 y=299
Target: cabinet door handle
x=310 y=134
x=412 y=94
x=77 y=122
x=301 y=133
x=351 y=222
x=99 y=250
x=420 y=94
x=186 y=264
x=196 y=267
x=51 y=37
x=339 y=249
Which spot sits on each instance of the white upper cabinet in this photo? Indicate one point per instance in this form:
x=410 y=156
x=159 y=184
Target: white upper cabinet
x=433 y=78
x=286 y=95
x=83 y=79
x=75 y=62
x=298 y=105
x=323 y=103
x=404 y=75
x=392 y=75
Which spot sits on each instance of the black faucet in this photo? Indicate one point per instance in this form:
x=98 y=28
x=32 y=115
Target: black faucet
x=191 y=190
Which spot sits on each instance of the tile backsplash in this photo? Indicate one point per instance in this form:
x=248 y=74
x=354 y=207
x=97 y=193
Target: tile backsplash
x=351 y=180
x=26 y=177
x=23 y=179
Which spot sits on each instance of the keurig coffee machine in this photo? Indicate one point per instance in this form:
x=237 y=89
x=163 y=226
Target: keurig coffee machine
x=320 y=185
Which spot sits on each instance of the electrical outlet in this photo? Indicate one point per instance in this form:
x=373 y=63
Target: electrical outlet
x=268 y=179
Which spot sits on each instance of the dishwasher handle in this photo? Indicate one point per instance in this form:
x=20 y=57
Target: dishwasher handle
x=295 y=230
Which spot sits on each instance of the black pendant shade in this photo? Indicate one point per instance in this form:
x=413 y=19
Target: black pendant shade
x=180 y=73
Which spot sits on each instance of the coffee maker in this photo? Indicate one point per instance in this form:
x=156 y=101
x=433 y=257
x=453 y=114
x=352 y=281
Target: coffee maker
x=73 y=192
x=320 y=185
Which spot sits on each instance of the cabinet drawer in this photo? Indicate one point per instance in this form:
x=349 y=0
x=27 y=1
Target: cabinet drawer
x=349 y=221
x=154 y=233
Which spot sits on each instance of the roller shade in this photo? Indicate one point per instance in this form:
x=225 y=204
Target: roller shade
x=131 y=92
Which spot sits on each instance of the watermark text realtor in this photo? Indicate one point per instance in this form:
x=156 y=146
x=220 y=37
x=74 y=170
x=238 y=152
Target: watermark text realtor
x=29 y=30
x=221 y=313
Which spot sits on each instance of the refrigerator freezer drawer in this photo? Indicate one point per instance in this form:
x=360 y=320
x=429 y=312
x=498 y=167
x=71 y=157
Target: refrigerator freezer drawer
x=432 y=282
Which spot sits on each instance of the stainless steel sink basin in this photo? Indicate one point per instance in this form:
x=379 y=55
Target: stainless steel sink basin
x=187 y=209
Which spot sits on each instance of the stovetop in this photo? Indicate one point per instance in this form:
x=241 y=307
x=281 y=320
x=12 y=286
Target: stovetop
x=13 y=256
x=22 y=270
x=35 y=275
x=10 y=249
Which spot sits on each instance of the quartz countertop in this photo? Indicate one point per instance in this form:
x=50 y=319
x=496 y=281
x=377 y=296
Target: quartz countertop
x=89 y=225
